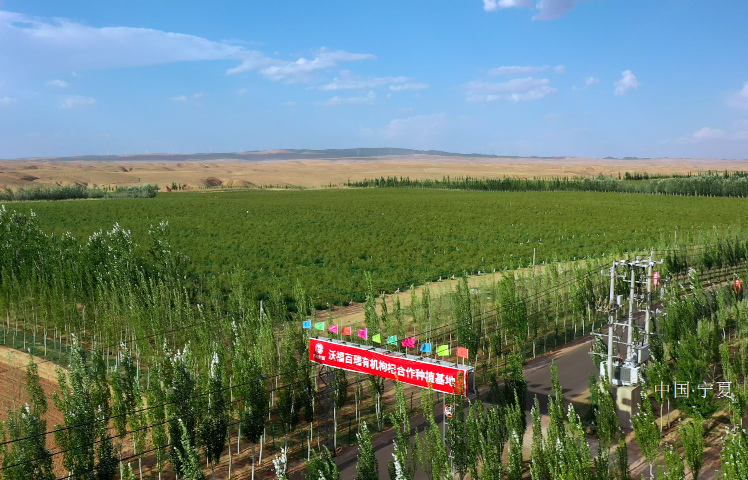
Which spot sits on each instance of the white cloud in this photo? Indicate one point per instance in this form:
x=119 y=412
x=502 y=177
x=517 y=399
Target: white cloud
x=64 y=45
x=552 y=116
x=60 y=45
x=545 y=9
x=348 y=80
x=738 y=132
x=627 y=82
x=367 y=99
x=516 y=90
x=511 y=71
x=288 y=104
x=77 y=101
x=242 y=92
x=302 y=69
x=739 y=99
x=5 y=101
x=409 y=86
x=419 y=128
x=198 y=95
x=514 y=70
x=494 y=5
x=588 y=82
x=180 y=98
x=550 y=9
x=57 y=83
x=703 y=135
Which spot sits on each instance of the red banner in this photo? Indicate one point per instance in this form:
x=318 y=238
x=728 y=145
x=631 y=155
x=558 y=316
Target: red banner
x=407 y=370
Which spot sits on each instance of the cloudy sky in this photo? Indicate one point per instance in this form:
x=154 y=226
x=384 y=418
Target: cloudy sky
x=642 y=78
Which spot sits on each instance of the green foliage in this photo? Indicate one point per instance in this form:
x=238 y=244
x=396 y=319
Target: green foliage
x=321 y=466
x=734 y=457
x=27 y=458
x=692 y=436
x=674 y=468
x=69 y=192
x=647 y=432
x=189 y=460
x=182 y=415
x=213 y=426
x=622 y=459
x=437 y=233
x=367 y=467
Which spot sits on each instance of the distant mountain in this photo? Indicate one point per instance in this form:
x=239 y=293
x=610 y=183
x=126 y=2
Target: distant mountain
x=258 y=156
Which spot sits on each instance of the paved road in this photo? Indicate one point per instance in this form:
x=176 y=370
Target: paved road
x=574 y=367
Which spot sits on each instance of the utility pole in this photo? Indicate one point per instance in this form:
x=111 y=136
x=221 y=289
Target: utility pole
x=611 y=318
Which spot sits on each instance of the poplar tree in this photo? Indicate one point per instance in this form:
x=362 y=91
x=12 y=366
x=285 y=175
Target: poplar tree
x=734 y=456
x=189 y=460
x=647 y=432
x=367 y=467
x=322 y=467
x=691 y=433
x=76 y=402
x=182 y=416
x=25 y=428
x=539 y=468
x=622 y=459
x=674 y=468
x=215 y=420
x=156 y=398
x=253 y=394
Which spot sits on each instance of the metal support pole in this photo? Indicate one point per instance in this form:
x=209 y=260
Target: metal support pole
x=610 y=322
x=647 y=322
x=630 y=336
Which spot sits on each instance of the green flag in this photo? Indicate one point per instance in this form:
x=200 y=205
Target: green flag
x=442 y=350
x=376 y=338
x=392 y=340
x=319 y=325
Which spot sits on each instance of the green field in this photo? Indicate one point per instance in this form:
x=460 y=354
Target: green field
x=328 y=239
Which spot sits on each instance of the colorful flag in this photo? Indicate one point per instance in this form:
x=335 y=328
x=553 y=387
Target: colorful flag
x=347 y=331
x=411 y=342
x=425 y=348
x=306 y=324
x=442 y=350
x=363 y=333
x=392 y=340
x=462 y=352
x=333 y=329
x=319 y=325
x=376 y=338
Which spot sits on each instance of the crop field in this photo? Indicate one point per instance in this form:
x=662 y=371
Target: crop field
x=328 y=239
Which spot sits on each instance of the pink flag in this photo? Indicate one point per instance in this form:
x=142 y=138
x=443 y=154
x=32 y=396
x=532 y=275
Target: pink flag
x=333 y=329
x=409 y=342
x=362 y=333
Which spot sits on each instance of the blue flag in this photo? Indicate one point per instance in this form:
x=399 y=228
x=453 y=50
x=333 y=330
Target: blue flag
x=425 y=348
x=307 y=324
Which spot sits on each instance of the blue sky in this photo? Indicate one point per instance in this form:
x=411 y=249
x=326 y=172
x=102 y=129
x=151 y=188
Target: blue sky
x=516 y=77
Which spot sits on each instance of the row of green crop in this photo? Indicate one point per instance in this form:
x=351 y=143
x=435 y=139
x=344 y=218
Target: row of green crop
x=70 y=192
x=329 y=239
x=710 y=185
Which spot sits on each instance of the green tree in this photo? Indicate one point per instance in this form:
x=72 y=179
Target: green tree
x=622 y=459
x=189 y=460
x=674 y=468
x=214 y=423
x=367 y=467
x=26 y=428
x=458 y=438
x=76 y=401
x=182 y=413
x=734 y=456
x=321 y=466
x=647 y=433
x=254 y=396
x=539 y=468
x=692 y=436
x=156 y=398
x=403 y=453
